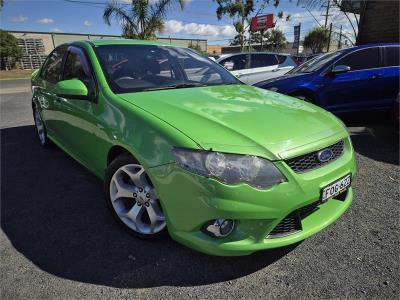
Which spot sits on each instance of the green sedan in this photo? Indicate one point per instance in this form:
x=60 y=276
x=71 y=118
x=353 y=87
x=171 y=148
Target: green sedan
x=186 y=148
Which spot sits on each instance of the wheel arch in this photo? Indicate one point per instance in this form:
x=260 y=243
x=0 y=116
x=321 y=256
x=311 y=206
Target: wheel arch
x=116 y=151
x=304 y=92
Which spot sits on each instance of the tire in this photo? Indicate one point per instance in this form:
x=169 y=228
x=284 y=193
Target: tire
x=41 y=129
x=133 y=200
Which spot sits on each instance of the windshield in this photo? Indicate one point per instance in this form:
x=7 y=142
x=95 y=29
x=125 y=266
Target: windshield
x=315 y=63
x=135 y=68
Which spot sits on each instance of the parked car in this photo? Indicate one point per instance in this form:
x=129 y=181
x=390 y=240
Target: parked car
x=312 y=56
x=182 y=145
x=251 y=67
x=358 y=78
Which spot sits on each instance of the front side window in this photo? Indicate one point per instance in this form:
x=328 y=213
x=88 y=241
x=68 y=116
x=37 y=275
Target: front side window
x=135 y=68
x=76 y=67
x=361 y=60
x=235 y=62
x=316 y=63
x=52 y=68
x=392 y=56
x=262 y=60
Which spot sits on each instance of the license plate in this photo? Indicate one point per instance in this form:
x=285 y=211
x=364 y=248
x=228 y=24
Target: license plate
x=335 y=188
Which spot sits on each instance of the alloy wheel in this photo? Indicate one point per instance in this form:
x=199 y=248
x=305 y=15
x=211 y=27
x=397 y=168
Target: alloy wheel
x=135 y=201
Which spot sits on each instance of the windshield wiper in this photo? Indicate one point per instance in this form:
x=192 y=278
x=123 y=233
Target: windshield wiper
x=175 y=86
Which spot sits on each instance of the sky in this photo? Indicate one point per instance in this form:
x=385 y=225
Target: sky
x=197 y=20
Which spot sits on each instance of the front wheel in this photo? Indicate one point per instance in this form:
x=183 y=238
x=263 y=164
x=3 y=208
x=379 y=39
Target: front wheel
x=133 y=199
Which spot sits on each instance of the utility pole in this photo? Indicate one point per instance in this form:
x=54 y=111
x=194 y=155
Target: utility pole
x=329 y=39
x=326 y=15
x=340 y=38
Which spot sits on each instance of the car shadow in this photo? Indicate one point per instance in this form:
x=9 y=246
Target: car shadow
x=374 y=135
x=53 y=213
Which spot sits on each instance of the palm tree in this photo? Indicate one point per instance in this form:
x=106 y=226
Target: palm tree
x=140 y=19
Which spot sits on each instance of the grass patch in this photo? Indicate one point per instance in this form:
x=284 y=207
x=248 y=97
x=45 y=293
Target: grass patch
x=15 y=74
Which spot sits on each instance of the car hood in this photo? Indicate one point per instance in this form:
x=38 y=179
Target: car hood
x=289 y=77
x=239 y=118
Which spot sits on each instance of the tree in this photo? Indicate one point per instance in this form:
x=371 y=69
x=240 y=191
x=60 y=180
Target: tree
x=239 y=11
x=317 y=39
x=10 y=51
x=140 y=19
x=238 y=40
x=276 y=40
x=273 y=40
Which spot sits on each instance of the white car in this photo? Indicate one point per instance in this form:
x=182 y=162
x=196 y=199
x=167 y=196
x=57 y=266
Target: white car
x=253 y=67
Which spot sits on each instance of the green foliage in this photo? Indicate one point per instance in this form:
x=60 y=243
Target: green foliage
x=272 y=40
x=317 y=39
x=239 y=11
x=9 y=49
x=142 y=18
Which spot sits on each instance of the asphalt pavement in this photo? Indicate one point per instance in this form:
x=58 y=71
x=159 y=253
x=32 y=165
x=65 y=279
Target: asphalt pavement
x=58 y=240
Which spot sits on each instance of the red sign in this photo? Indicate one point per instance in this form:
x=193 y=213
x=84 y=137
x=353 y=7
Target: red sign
x=262 y=22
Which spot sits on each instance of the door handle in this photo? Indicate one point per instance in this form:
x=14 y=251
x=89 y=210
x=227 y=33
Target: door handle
x=375 y=76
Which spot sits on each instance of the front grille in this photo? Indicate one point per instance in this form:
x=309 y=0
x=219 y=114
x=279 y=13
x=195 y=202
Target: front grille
x=289 y=225
x=310 y=161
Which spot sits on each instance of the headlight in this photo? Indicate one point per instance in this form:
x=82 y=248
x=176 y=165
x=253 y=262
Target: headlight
x=229 y=168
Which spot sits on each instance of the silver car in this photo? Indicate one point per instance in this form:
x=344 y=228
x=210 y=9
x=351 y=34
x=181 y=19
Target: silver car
x=253 y=67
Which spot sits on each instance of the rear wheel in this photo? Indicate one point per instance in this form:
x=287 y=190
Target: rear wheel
x=132 y=198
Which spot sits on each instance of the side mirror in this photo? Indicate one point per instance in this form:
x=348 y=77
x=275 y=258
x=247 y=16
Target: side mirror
x=73 y=89
x=340 y=69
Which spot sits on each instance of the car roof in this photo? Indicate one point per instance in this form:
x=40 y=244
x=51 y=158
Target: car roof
x=371 y=45
x=239 y=53
x=103 y=42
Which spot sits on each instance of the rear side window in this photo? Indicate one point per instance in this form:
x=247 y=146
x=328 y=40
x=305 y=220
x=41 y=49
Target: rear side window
x=236 y=62
x=392 y=56
x=286 y=61
x=52 y=69
x=362 y=59
x=263 y=60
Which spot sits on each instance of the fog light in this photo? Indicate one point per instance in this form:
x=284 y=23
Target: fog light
x=220 y=227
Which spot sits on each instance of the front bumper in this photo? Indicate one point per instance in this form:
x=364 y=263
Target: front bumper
x=189 y=201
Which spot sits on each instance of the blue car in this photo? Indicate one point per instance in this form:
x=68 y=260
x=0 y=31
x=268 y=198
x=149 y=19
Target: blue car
x=358 y=78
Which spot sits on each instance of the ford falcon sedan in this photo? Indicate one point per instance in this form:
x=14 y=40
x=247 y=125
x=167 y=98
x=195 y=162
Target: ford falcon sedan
x=185 y=148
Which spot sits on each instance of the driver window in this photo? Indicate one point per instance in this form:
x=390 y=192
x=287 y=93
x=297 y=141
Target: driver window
x=361 y=60
x=236 y=62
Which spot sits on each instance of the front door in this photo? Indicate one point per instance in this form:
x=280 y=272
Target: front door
x=79 y=116
x=358 y=88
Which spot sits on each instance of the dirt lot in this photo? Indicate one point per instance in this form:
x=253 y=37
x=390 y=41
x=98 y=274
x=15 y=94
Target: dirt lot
x=57 y=239
x=13 y=74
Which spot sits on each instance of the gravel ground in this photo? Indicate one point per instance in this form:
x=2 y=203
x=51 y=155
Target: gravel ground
x=57 y=239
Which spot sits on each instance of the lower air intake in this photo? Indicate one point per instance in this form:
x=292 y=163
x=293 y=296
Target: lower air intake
x=289 y=225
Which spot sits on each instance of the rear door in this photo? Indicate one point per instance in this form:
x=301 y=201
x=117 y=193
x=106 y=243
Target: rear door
x=238 y=65
x=46 y=94
x=359 y=88
x=391 y=70
x=262 y=67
